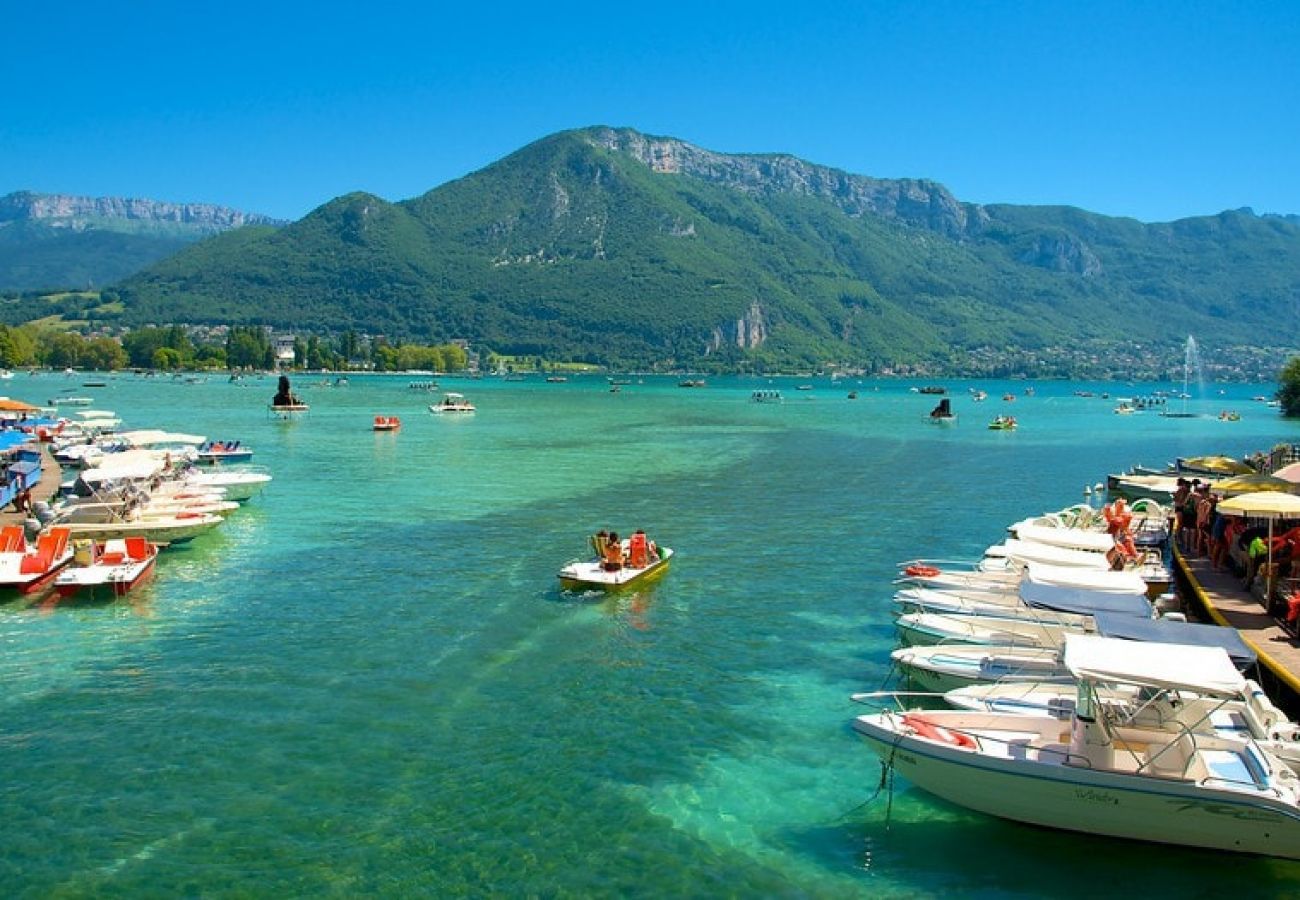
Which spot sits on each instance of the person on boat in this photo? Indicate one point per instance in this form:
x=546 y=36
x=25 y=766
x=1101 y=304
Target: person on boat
x=613 y=555
x=1117 y=516
x=638 y=550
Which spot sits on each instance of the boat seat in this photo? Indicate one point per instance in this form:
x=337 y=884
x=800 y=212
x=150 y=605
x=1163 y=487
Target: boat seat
x=1171 y=760
x=1234 y=767
x=137 y=547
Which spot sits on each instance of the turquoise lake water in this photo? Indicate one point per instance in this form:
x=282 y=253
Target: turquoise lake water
x=368 y=682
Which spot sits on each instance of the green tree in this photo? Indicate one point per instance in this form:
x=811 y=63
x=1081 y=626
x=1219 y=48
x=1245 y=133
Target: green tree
x=166 y=358
x=1288 y=393
x=60 y=348
x=104 y=354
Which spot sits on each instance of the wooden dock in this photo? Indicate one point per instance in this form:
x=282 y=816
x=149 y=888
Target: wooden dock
x=1220 y=597
x=47 y=487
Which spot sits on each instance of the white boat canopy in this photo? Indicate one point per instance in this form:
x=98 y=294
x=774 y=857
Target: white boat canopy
x=1176 y=667
x=152 y=437
x=129 y=464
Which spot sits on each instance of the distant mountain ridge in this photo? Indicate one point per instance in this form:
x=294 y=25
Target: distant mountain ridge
x=78 y=213
x=61 y=240
x=608 y=245
x=919 y=202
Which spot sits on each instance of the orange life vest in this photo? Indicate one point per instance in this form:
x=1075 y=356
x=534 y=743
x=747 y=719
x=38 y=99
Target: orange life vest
x=638 y=552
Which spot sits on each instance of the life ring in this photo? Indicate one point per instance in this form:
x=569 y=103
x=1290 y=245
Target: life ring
x=919 y=571
x=929 y=730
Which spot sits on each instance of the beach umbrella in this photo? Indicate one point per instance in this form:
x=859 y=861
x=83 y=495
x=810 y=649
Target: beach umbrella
x=1219 y=465
x=7 y=405
x=1291 y=473
x=1246 y=484
x=1269 y=505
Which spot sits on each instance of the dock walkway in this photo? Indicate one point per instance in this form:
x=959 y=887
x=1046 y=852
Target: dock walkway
x=1221 y=596
x=47 y=487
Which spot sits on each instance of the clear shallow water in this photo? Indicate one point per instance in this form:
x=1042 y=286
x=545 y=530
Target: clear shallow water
x=368 y=682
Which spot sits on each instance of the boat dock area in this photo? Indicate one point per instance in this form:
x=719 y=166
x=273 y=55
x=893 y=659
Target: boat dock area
x=1219 y=595
x=47 y=485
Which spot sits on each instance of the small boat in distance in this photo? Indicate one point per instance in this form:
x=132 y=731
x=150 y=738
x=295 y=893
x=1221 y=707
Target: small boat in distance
x=1003 y=423
x=932 y=389
x=387 y=423
x=632 y=561
x=285 y=404
x=943 y=414
x=452 y=402
x=692 y=383
x=766 y=395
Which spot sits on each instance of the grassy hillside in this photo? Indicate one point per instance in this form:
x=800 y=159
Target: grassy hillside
x=571 y=249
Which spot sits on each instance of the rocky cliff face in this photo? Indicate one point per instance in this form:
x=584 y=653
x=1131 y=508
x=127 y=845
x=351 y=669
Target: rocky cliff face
x=915 y=202
x=63 y=210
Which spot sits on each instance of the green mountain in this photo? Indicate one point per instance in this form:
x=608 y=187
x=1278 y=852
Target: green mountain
x=607 y=245
x=51 y=241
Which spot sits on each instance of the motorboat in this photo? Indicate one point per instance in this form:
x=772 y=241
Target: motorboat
x=638 y=567
x=161 y=529
x=928 y=629
x=103 y=571
x=942 y=668
x=1247 y=714
x=212 y=453
x=1034 y=602
x=1097 y=773
x=1025 y=551
x=28 y=570
x=1070 y=538
x=238 y=485
x=452 y=402
x=923 y=629
x=1003 y=423
x=387 y=423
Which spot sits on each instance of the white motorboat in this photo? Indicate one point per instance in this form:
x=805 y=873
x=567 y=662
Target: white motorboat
x=1248 y=714
x=999 y=606
x=1070 y=538
x=1023 y=552
x=452 y=402
x=236 y=484
x=943 y=668
x=1095 y=773
x=923 y=629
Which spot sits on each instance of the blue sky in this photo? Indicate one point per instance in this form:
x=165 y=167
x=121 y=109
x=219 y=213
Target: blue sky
x=1150 y=110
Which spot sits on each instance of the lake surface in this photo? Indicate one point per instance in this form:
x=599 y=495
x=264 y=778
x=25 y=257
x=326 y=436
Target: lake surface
x=368 y=682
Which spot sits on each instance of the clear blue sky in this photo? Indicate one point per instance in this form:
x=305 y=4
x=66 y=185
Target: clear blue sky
x=1151 y=110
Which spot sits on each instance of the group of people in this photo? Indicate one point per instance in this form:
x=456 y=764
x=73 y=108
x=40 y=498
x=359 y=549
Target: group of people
x=1201 y=529
x=639 y=552
x=1204 y=531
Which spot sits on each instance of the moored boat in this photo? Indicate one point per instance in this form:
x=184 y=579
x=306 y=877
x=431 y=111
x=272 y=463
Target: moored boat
x=29 y=570
x=1097 y=773
x=211 y=453
x=102 y=571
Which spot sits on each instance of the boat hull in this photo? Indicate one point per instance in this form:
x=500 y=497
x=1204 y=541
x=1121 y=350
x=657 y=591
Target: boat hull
x=1076 y=798
x=589 y=576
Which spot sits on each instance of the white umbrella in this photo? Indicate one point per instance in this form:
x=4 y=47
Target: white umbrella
x=1290 y=473
x=1269 y=505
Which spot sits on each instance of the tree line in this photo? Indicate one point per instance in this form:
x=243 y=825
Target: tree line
x=174 y=347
